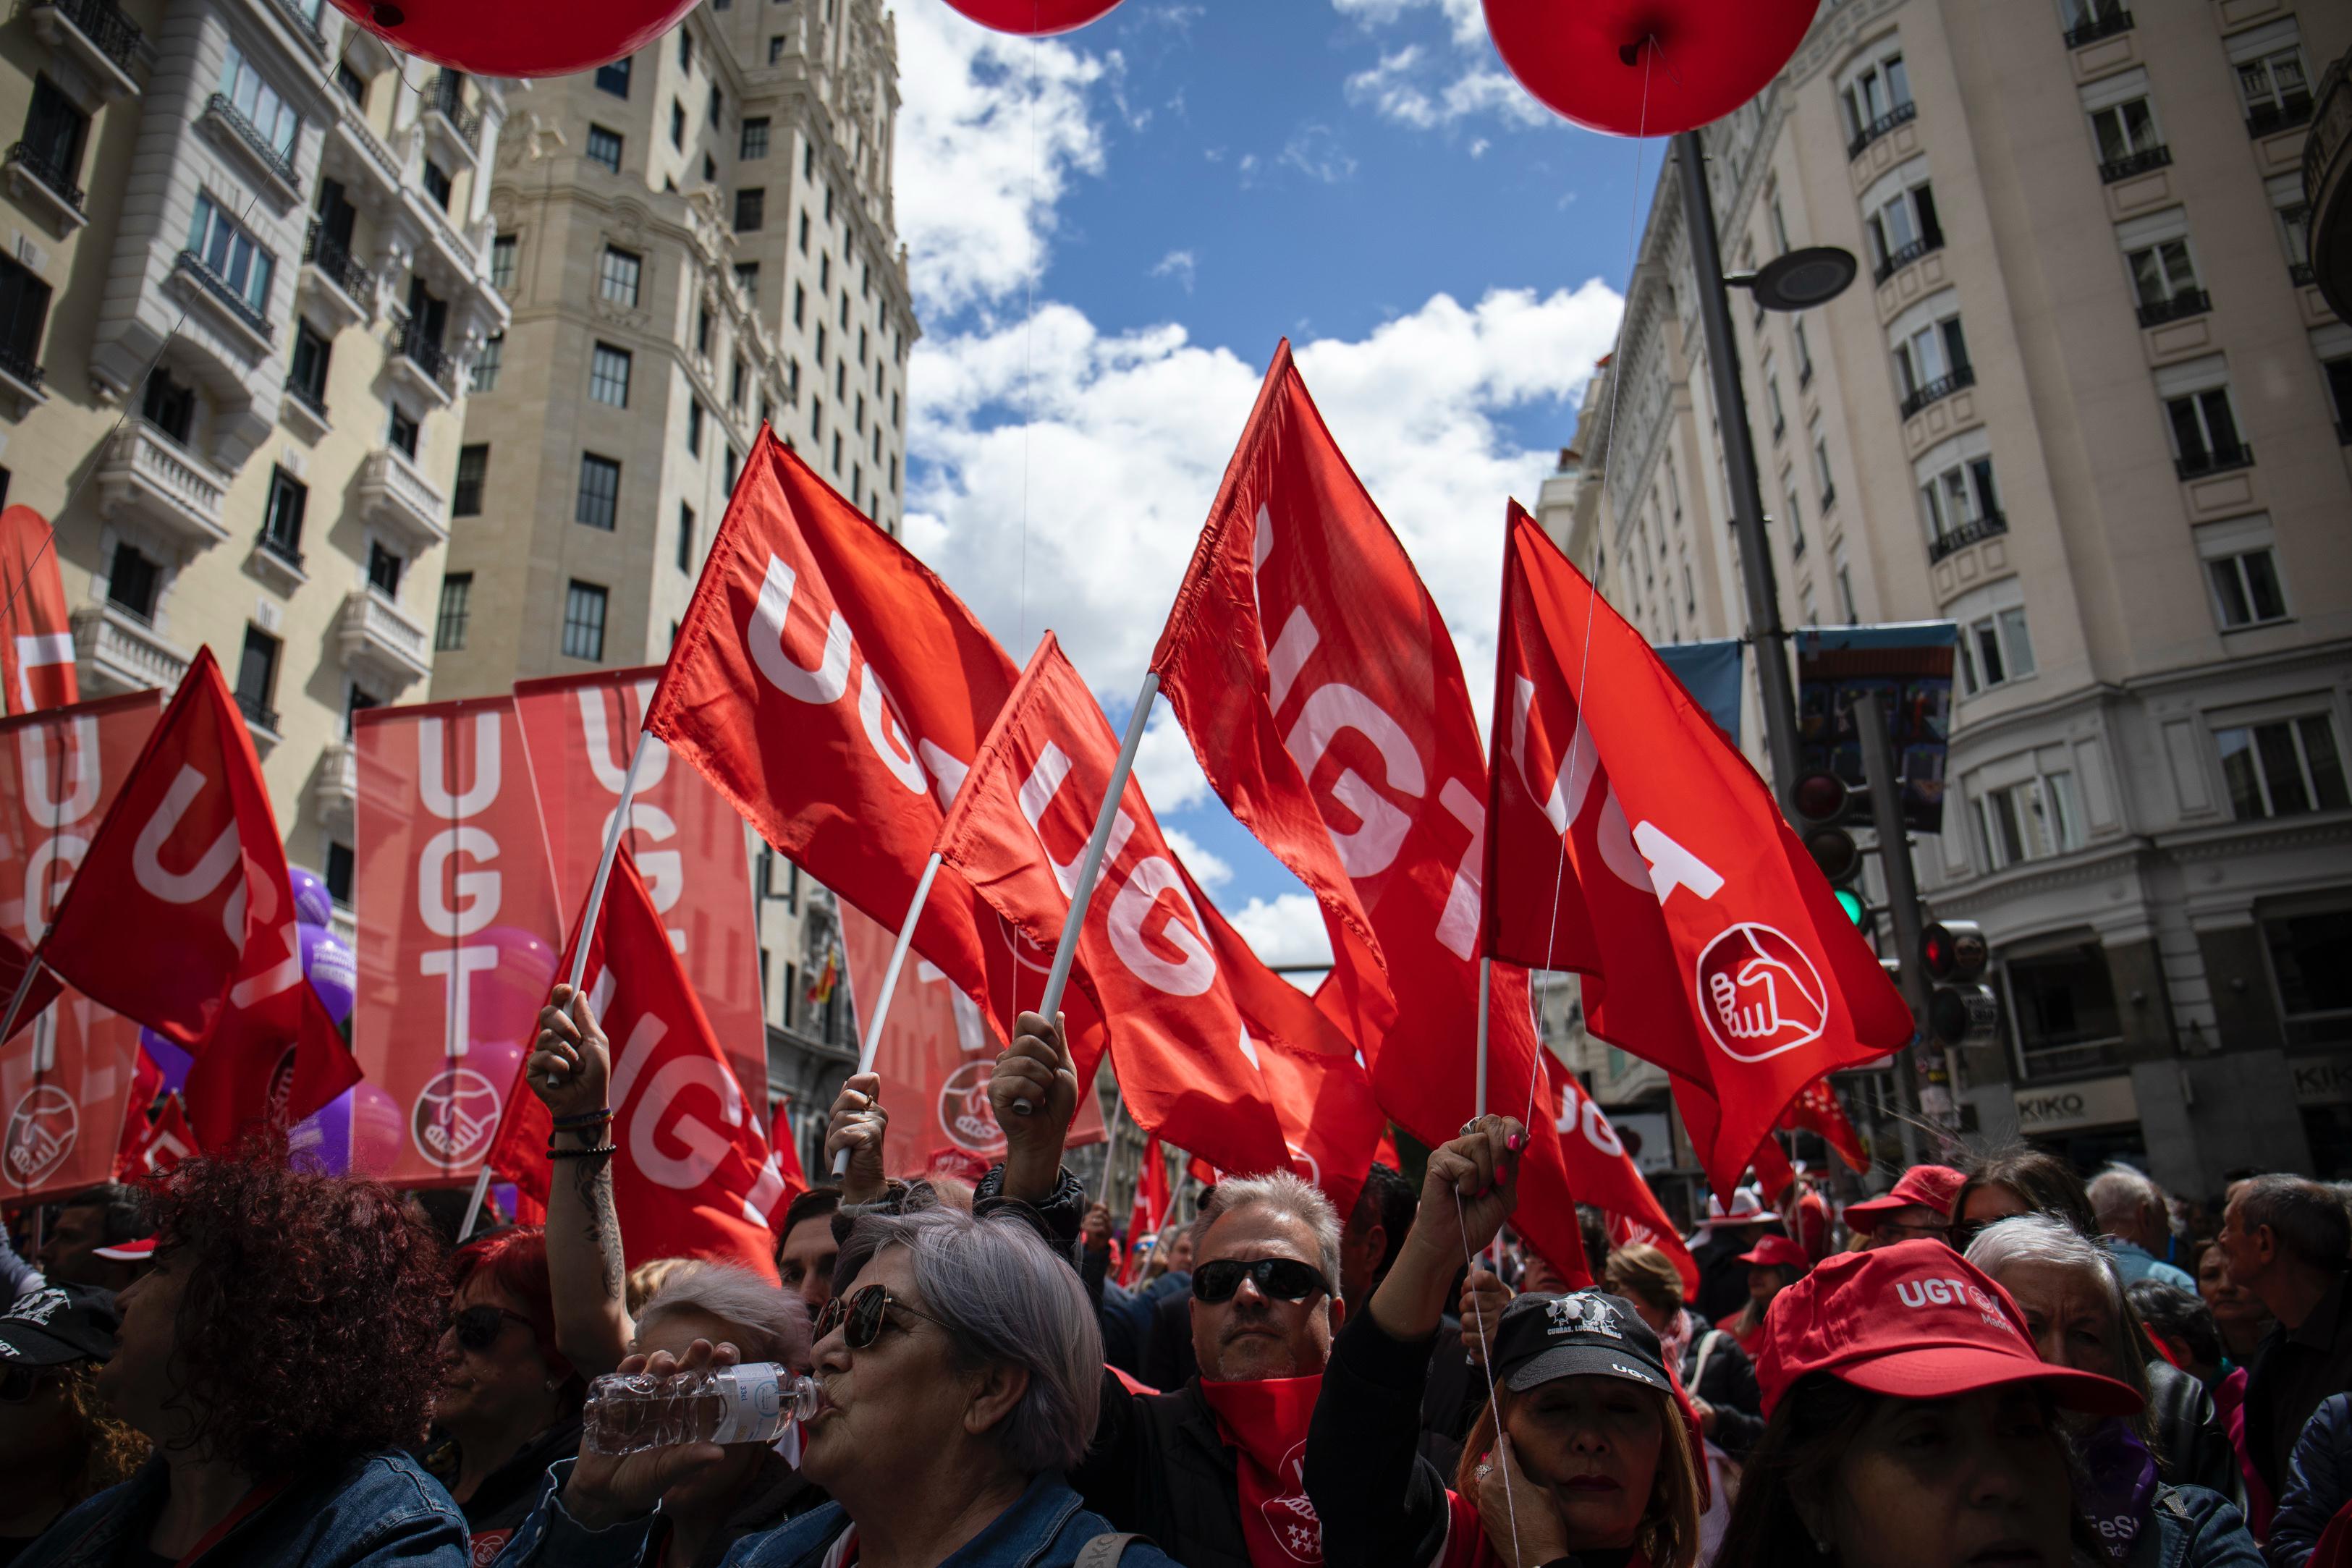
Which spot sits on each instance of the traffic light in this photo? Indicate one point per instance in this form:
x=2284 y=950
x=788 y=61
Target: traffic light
x=1830 y=808
x=1961 y=1009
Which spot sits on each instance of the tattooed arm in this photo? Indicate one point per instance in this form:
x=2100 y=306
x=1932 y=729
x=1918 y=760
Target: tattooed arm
x=570 y=1065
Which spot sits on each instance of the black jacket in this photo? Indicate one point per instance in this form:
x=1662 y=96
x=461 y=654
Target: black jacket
x=1381 y=1504
x=1728 y=1385
x=507 y=1494
x=2294 y=1371
x=1158 y=1468
x=1722 y=1277
x=2191 y=1448
x=1167 y=1358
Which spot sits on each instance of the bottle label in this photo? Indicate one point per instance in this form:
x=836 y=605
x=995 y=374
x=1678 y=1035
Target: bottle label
x=754 y=1403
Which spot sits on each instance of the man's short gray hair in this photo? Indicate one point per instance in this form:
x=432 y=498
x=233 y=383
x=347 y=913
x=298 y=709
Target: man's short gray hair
x=2045 y=1239
x=1287 y=1192
x=1004 y=1299
x=2308 y=1218
x=2120 y=1192
x=767 y=1323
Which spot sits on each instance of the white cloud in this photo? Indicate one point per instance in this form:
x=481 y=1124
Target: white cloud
x=1164 y=764
x=1465 y=18
x=1180 y=264
x=1208 y=868
x=1412 y=87
x=1315 y=150
x=1478 y=148
x=1286 y=929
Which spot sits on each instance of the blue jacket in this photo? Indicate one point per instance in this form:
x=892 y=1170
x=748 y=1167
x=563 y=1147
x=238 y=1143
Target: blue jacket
x=373 y=1512
x=2319 y=1483
x=1046 y=1529
x=2194 y=1528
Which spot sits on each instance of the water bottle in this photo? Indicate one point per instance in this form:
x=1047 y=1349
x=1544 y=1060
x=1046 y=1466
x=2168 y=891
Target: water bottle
x=628 y=1413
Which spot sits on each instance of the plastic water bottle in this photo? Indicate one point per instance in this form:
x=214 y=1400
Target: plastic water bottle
x=628 y=1413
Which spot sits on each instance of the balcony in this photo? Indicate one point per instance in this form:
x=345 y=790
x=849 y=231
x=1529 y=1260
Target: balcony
x=2220 y=460
x=260 y=718
x=459 y=258
x=397 y=496
x=36 y=175
x=2179 y=308
x=105 y=42
x=21 y=379
x=378 y=640
x=2270 y=119
x=447 y=117
x=422 y=362
x=1901 y=114
x=119 y=651
x=1896 y=260
x=336 y=279
x=1942 y=387
x=367 y=160
x=2117 y=20
x=145 y=471
x=2132 y=163
x=196 y=278
x=1970 y=533
x=230 y=126
x=335 y=788
x=291 y=14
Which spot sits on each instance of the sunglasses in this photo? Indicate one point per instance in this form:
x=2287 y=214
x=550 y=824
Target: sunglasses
x=1276 y=1278
x=478 y=1328
x=862 y=1315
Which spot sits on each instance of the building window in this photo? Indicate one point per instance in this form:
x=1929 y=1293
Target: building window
x=1932 y=362
x=614 y=78
x=1876 y=99
x=2032 y=821
x=618 y=275
x=1995 y=648
x=2337 y=373
x=132 y=582
x=729 y=467
x=800 y=304
x=2245 y=589
x=281 y=515
x=2205 y=433
x=339 y=861
x=1772 y=403
x=804 y=233
x=1845 y=588
x=583 y=621
x=231 y=255
x=1822 y=479
x=2283 y=769
x=2063 y=1006
x=473 y=472
x=754 y=143
x=702 y=330
x=735 y=386
x=2127 y=139
x=1903 y=229
x=2275 y=87
x=775 y=49
x=402 y=432
x=55 y=134
x=608 y=375
x=2314 y=984
x=348 y=80
x=449 y=625
x=1796 y=526
x=357 y=701
x=717 y=103
x=2165 y=279
x=694 y=427
x=604 y=147
x=685 y=50
x=436 y=184
x=1962 y=506
x=747 y=278
x=383 y=570
x=751 y=209
x=306 y=378
x=599 y=501
x=1804 y=353
x=684 y=538
x=485 y=363
x=678 y=121
x=256 y=678
x=259 y=103
x=816 y=419
x=502 y=262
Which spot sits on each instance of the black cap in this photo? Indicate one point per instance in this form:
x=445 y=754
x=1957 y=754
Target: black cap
x=58 y=1323
x=1586 y=1335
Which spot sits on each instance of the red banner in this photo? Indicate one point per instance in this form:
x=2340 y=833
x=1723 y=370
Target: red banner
x=457 y=934
x=1325 y=701
x=1603 y=1173
x=688 y=843
x=1817 y=1109
x=692 y=1176
x=1713 y=947
x=37 y=649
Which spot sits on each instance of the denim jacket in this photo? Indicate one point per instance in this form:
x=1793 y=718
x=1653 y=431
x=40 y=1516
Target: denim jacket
x=1046 y=1527
x=370 y=1513
x=2194 y=1528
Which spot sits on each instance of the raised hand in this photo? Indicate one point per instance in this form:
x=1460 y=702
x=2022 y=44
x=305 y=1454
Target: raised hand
x=1522 y=1520
x=1484 y=1297
x=1094 y=1230
x=858 y=1123
x=1471 y=1188
x=571 y=1062
x=606 y=1488
x=1036 y=1071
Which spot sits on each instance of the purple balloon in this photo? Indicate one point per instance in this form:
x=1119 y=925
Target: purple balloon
x=330 y=968
x=313 y=906
x=174 y=1062
x=322 y=1141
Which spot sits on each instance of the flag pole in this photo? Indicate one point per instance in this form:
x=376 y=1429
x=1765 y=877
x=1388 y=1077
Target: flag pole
x=23 y=990
x=474 y=1205
x=890 y=983
x=1090 y=867
x=1486 y=985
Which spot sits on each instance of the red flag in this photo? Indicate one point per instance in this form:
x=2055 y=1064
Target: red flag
x=1325 y=703
x=457 y=934
x=146 y=1088
x=692 y=1176
x=1181 y=1001
x=1150 y=1204
x=1602 y=1172
x=187 y=872
x=689 y=842
x=36 y=647
x=786 y=1146
x=834 y=691
x=935 y=1057
x=1720 y=952
x=1817 y=1109
x=163 y=1144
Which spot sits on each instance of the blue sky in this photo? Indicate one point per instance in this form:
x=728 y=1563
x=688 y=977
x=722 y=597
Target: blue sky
x=1104 y=264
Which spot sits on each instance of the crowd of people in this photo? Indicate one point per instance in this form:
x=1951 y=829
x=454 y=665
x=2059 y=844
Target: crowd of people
x=244 y=1362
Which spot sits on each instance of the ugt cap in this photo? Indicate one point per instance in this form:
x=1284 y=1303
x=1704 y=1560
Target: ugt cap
x=1777 y=1252
x=1917 y=1321
x=1746 y=1207
x=1541 y=1338
x=1924 y=1187
x=58 y=1323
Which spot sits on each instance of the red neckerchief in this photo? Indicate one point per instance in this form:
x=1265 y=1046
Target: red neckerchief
x=255 y=1495
x=1265 y=1423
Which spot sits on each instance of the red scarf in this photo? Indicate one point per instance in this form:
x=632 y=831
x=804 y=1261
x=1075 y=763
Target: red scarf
x=1265 y=1423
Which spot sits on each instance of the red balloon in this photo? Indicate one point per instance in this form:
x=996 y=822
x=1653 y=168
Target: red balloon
x=1698 y=60
x=1034 y=18
x=518 y=37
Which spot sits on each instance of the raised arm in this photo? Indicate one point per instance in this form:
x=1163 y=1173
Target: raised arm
x=1036 y=1070
x=570 y=1068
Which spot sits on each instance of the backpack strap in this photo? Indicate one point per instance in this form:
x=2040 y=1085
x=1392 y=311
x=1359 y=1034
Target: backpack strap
x=1707 y=1342
x=1105 y=1550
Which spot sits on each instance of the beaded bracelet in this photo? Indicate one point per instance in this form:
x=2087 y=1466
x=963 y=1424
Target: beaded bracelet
x=555 y=1154
x=580 y=1122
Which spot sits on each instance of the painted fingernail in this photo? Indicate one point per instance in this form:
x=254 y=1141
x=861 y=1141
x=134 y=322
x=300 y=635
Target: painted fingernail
x=1516 y=1141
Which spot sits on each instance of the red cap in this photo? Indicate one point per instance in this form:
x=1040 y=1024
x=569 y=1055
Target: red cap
x=1924 y=1187
x=1778 y=1252
x=137 y=1252
x=1916 y=1320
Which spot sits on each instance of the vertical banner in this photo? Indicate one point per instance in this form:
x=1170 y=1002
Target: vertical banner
x=688 y=840
x=458 y=934
x=935 y=1057
x=66 y=1083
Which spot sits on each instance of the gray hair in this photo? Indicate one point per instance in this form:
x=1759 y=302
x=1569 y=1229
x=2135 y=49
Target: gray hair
x=1285 y=1192
x=2119 y=1192
x=1004 y=1299
x=769 y=1325
x=2309 y=1218
x=2045 y=1239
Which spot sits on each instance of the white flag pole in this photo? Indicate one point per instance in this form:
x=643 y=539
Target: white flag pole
x=23 y=990
x=890 y=985
x=1090 y=867
x=473 y=1206
x=1486 y=985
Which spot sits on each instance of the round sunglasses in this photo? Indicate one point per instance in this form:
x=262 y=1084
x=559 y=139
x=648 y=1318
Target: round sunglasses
x=1276 y=1278
x=478 y=1328
x=863 y=1313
